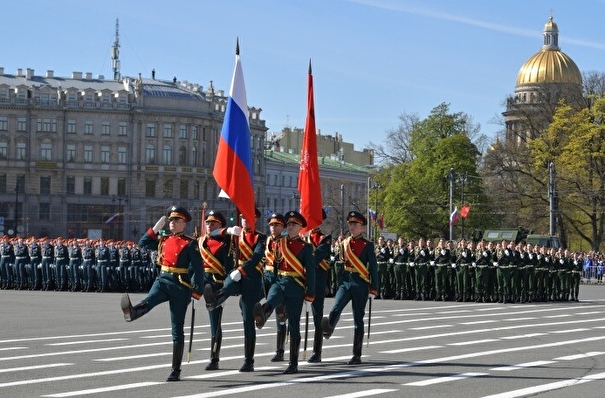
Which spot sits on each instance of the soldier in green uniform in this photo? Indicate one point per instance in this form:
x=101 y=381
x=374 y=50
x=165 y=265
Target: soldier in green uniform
x=337 y=266
x=295 y=284
x=322 y=245
x=576 y=276
x=421 y=262
x=502 y=264
x=466 y=257
x=411 y=274
x=216 y=251
x=179 y=257
x=277 y=223
x=246 y=281
x=484 y=257
x=359 y=282
x=383 y=255
x=400 y=258
x=442 y=261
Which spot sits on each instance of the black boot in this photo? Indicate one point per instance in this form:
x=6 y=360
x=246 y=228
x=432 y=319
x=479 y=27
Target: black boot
x=317 y=344
x=177 y=358
x=328 y=324
x=212 y=300
x=357 y=343
x=249 y=344
x=261 y=313
x=294 y=347
x=279 y=352
x=131 y=313
x=215 y=350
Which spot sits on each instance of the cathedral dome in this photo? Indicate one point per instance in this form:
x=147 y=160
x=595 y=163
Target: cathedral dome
x=550 y=64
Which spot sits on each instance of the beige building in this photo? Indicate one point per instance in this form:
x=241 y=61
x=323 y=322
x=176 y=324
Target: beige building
x=290 y=140
x=87 y=156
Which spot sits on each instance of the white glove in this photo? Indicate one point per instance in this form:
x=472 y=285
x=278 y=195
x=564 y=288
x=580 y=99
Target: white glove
x=454 y=265
x=432 y=262
x=391 y=261
x=474 y=265
x=371 y=296
x=332 y=258
x=159 y=225
x=412 y=264
x=307 y=306
x=495 y=264
x=234 y=231
x=235 y=275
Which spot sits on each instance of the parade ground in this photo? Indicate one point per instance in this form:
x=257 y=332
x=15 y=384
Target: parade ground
x=62 y=344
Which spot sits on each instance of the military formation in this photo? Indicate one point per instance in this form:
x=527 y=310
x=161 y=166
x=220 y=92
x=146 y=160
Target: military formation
x=285 y=272
x=75 y=265
x=502 y=272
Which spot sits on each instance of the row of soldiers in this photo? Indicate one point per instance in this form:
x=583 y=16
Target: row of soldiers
x=75 y=265
x=505 y=272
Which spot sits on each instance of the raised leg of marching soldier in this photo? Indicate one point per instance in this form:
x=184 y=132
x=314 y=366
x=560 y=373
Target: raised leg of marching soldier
x=216 y=336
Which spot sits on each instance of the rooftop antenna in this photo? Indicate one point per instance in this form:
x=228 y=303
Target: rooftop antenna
x=115 y=54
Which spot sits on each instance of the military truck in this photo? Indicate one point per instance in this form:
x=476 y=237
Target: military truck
x=521 y=235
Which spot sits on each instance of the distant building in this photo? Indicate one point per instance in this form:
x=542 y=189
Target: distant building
x=544 y=79
x=84 y=155
x=290 y=140
x=344 y=187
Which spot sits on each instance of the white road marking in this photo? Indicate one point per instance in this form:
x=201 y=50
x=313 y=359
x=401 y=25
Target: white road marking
x=445 y=379
x=366 y=393
x=104 y=389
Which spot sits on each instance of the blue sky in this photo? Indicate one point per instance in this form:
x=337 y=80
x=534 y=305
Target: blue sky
x=373 y=60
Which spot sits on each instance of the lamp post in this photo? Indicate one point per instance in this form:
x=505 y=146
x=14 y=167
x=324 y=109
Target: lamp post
x=120 y=211
x=16 y=208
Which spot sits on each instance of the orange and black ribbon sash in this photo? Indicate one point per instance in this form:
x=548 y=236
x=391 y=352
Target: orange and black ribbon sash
x=354 y=261
x=291 y=259
x=209 y=260
x=245 y=250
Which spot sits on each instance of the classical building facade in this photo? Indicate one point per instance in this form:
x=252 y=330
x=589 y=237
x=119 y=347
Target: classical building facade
x=545 y=78
x=88 y=156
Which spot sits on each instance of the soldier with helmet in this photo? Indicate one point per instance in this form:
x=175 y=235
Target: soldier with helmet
x=294 y=285
x=359 y=282
x=179 y=280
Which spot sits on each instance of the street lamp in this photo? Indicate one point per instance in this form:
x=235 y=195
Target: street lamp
x=120 y=211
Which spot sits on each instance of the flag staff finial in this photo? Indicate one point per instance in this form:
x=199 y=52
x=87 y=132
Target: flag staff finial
x=310 y=66
x=237 y=47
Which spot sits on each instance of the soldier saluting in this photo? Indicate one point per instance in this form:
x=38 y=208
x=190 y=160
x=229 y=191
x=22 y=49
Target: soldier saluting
x=359 y=282
x=178 y=255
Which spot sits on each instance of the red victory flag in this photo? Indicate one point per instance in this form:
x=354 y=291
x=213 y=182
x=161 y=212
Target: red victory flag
x=233 y=170
x=308 y=176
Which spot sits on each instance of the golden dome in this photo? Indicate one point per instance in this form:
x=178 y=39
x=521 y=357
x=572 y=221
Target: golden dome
x=550 y=64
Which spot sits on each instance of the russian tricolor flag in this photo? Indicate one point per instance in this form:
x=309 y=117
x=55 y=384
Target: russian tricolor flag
x=233 y=170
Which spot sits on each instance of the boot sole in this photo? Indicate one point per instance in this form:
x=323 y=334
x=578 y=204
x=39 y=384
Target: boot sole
x=259 y=317
x=209 y=297
x=126 y=307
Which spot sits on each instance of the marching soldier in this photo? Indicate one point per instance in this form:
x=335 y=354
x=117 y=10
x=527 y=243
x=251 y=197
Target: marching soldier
x=294 y=285
x=502 y=264
x=21 y=259
x=75 y=259
x=179 y=258
x=216 y=251
x=245 y=280
x=466 y=257
x=337 y=266
x=383 y=255
x=123 y=269
x=484 y=258
x=421 y=263
x=359 y=282
x=410 y=284
x=322 y=245
x=88 y=264
x=102 y=255
x=277 y=223
x=576 y=276
x=442 y=261
x=400 y=258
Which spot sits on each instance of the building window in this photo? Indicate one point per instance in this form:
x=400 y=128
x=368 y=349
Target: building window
x=150 y=154
x=122 y=155
x=123 y=128
x=2 y=183
x=3 y=123
x=104 y=185
x=3 y=149
x=167 y=153
x=167 y=131
x=47 y=125
x=121 y=186
x=89 y=127
x=194 y=157
x=104 y=154
x=88 y=153
x=44 y=211
x=105 y=128
x=71 y=185
x=194 y=132
x=45 y=151
x=21 y=125
x=184 y=189
x=183 y=131
x=87 y=186
x=71 y=127
x=71 y=153
x=183 y=156
x=150 y=130
x=168 y=188
x=45 y=185
x=150 y=188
